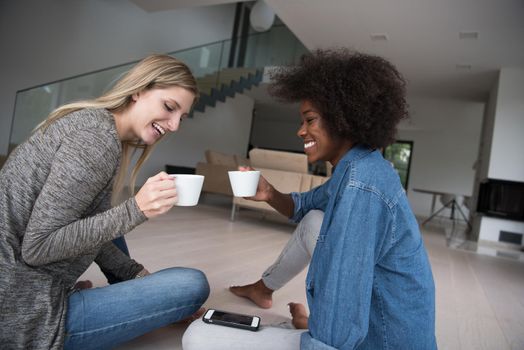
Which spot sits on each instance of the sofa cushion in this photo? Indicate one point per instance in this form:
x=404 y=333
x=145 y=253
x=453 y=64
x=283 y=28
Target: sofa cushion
x=218 y=158
x=241 y=161
x=283 y=181
x=216 y=179
x=278 y=160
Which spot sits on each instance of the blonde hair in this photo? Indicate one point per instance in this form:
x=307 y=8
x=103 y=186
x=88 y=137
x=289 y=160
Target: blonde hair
x=155 y=71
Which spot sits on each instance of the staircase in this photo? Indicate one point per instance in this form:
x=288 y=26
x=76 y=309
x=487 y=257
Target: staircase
x=225 y=83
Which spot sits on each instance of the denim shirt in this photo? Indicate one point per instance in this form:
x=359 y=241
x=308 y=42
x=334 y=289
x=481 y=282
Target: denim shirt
x=369 y=284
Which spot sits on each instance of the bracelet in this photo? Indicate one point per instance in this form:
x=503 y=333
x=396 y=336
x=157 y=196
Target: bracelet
x=141 y=274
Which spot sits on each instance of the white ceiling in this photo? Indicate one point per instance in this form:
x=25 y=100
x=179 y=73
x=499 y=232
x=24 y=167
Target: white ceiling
x=423 y=36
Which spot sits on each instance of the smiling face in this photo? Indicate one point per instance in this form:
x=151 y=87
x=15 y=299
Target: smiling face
x=154 y=112
x=318 y=143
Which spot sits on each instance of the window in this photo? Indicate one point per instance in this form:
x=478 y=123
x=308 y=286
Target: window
x=399 y=153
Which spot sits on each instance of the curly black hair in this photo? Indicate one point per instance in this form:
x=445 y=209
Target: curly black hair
x=360 y=97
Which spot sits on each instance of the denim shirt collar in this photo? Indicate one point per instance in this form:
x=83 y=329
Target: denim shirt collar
x=358 y=151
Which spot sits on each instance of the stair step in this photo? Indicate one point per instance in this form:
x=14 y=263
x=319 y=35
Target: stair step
x=227 y=75
x=230 y=81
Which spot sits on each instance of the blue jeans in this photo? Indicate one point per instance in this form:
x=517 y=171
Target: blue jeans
x=102 y=318
x=297 y=253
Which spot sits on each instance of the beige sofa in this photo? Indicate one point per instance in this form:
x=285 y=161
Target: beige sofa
x=287 y=171
x=215 y=170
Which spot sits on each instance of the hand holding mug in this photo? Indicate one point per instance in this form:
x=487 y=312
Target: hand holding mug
x=264 y=188
x=157 y=195
x=265 y=192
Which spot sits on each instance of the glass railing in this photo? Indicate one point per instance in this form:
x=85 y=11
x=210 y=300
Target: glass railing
x=277 y=46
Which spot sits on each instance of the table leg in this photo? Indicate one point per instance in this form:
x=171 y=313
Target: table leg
x=433 y=200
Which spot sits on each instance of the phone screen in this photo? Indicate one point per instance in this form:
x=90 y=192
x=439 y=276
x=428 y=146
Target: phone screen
x=228 y=317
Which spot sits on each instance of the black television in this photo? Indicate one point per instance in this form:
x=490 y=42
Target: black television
x=501 y=199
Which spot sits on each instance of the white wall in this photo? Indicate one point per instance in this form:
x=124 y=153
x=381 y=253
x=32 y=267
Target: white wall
x=446 y=137
x=507 y=147
x=490 y=228
x=503 y=155
x=487 y=134
x=47 y=40
x=224 y=128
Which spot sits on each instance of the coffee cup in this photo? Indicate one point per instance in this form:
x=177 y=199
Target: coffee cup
x=188 y=188
x=244 y=183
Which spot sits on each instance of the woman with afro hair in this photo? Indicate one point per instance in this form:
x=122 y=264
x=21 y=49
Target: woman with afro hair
x=369 y=283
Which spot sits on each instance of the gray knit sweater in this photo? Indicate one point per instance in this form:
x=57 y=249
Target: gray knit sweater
x=55 y=220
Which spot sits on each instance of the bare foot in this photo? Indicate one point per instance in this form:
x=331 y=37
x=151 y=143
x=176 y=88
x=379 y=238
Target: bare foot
x=83 y=285
x=299 y=315
x=199 y=313
x=256 y=292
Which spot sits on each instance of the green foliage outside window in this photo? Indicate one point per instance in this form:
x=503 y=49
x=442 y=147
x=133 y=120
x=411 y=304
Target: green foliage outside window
x=399 y=153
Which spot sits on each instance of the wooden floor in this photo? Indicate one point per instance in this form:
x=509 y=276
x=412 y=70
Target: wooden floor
x=480 y=299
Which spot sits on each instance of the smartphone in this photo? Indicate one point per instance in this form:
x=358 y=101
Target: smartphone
x=229 y=319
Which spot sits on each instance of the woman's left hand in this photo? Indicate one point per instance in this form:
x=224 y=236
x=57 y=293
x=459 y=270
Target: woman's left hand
x=299 y=315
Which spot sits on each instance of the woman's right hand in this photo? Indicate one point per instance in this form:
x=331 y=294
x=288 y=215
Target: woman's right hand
x=299 y=315
x=157 y=195
x=283 y=203
x=264 y=188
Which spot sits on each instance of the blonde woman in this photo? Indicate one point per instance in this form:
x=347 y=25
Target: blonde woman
x=57 y=218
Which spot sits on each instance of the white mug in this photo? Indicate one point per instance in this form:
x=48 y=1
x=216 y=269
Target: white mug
x=244 y=183
x=188 y=188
